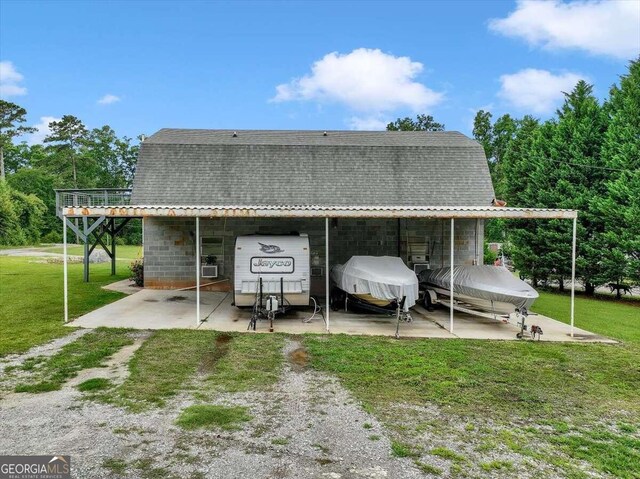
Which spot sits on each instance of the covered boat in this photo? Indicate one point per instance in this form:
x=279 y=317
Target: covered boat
x=489 y=288
x=382 y=281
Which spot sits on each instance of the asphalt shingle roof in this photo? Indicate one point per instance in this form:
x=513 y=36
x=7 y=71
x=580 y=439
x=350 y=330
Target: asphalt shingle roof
x=214 y=167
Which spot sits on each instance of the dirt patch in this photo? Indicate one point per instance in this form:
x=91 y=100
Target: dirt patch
x=212 y=356
x=299 y=358
x=223 y=338
x=151 y=300
x=173 y=299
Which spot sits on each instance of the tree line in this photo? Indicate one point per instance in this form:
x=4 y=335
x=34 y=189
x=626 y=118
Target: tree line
x=587 y=157
x=71 y=156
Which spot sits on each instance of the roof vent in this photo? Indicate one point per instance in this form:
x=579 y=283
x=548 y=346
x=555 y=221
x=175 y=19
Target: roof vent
x=324 y=134
x=235 y=134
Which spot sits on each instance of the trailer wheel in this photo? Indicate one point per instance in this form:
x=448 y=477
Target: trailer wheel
x=336 y=299
x=427 y=301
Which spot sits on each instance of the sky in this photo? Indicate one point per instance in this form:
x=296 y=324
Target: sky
x=145 y=65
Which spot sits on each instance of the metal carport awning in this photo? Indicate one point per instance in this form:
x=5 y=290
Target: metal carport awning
x=320 y=211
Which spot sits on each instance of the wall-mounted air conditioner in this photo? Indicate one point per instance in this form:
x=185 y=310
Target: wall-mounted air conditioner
x=209 y=271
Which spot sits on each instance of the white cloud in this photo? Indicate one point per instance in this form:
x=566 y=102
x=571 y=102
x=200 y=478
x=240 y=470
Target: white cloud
x=367 y=123
x=10 y=80
x=602 y=27
x=365 y=80
x=43 y=130
x=108 y=99
x=538 y=91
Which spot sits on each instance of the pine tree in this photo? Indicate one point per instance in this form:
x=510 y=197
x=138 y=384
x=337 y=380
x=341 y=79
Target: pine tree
x=620 y=205
x=575 y=177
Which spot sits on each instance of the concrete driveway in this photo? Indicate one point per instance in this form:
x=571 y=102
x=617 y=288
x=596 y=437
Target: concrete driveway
x=166 y=309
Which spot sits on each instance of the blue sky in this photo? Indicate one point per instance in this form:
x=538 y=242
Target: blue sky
x=142 y=66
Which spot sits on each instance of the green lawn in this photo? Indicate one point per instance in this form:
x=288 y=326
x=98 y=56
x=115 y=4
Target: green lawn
x=618 y=320
x=124 y=252
x=581 y=401
x=31 y=299
x=224 y=363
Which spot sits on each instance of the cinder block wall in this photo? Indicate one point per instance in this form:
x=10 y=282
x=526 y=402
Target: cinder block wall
x=169 y=243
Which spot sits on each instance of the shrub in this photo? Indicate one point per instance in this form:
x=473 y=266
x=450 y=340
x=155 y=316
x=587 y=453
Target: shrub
x=489 y=256
x=30 y=211
x=52 y=237
x=10 y=231
x=137 y=272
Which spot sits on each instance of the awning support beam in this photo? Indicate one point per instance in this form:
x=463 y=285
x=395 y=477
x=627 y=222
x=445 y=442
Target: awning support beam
x=326 y=271
x=451 y=258
x=573 y=272
x=65 y=269
x=198 y=261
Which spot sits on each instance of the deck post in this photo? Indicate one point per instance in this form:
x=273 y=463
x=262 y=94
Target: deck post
x=573 y=271
x=326 y=269
x=451 y=246
x=198 y=271
x=85 y=225
x=64 y=268
x=113 y=245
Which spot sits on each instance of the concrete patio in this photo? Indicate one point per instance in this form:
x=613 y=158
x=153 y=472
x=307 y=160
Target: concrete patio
x=166 y=309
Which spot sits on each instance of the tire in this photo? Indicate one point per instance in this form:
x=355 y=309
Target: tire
x=427 y=301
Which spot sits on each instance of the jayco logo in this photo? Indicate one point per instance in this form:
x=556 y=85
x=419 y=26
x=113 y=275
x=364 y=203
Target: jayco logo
x=261 y=265
x=270 y=248
x=271 y=263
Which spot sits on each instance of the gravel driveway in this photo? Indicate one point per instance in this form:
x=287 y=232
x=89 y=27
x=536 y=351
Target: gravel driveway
x=307 y=426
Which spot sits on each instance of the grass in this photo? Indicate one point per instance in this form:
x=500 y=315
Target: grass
x=619 y=320
x=123 y=252
x=212 y=417
x=448 y=454
x=280 y=441
x=497 y=378
x=94 y=384
x=399 y=449
x=115 y=466
x=168 y=361
x=496 y=465
x=520 y=386
x=249 y=362
x=88 y=351
x=31 y=310
x=428 y=468
x=162 y=366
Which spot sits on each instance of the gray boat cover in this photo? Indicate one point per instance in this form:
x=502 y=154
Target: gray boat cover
x=493 y=283
x=383 y=277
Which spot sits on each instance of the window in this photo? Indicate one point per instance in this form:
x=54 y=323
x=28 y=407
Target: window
x=212 y=247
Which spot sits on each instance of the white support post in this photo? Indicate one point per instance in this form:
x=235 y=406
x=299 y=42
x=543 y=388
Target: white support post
x=573 y=272
x=452 y=243
x=198 y=261
x=326 y=269
x=64 y=269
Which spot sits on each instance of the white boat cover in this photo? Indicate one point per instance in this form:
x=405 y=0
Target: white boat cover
x=493 y=283
x=383 y=277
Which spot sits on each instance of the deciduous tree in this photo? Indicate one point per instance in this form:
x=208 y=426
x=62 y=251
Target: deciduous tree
x=421 y=123
x=68 y=134
x=11 y=118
